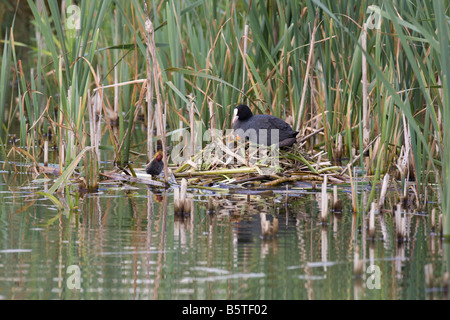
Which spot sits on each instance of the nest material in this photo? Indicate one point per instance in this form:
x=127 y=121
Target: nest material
x=239 y=162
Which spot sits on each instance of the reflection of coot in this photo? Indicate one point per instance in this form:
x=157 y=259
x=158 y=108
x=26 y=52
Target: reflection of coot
x=254 y=128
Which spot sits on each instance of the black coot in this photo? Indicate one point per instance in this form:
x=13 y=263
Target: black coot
x=258 y=128
x=156 y=165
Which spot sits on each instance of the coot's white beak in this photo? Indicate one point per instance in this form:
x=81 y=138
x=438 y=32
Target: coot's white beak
x=235 y=116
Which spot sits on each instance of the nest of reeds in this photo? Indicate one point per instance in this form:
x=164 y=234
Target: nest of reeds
x=267 y=166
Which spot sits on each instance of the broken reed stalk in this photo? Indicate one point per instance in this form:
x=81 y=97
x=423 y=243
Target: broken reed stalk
x=384 y=188
x=244 y=58
x=324 y=212
x=45 y=153
x=307 y=74
x=400 y=225
x=182 y=205
x=372 y=221
x=212 y=121
x=150 y=112
x=339 y=148
x=92 y=159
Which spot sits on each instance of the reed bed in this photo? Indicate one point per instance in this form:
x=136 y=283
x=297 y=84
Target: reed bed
x=366 y=82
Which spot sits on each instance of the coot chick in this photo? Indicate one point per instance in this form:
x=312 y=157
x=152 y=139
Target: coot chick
x=244 y=121
x=156 y=165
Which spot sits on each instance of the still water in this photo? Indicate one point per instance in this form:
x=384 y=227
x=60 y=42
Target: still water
x=125 y=242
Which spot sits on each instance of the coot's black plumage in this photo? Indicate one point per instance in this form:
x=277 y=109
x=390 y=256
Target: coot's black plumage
x=244 y=121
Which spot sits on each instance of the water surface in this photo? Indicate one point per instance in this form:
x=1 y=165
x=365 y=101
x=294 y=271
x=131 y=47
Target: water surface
x=126 y=243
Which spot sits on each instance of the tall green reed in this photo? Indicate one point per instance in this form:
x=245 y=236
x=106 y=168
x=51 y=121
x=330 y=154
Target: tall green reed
x=200 y=48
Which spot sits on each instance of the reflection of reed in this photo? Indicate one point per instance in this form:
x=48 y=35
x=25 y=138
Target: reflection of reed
x=161 y=251
x=148 y=243
x=399 y=258
x=324 y=247
x=358 y=263
x=324 y=202
x=207 y=235
x=268 y=230
x=384 y=231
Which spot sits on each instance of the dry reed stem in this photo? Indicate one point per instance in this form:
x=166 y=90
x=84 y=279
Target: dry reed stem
x=150 y=82
x=245 y=62
x=365 y=94
x=359 y=156
x=161 y=124
x=307 y=74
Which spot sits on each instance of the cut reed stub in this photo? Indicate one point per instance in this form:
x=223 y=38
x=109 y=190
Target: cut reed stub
x=372 y=221
x=338 y=151
x=384 y=187
x=400 y=225
x=337 y=203
x=182 y=205
x=46 y=153
x=268 y=230
x=433 y=222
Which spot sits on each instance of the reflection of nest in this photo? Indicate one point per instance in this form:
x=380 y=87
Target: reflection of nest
x=231 y=207
x=236 y=161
